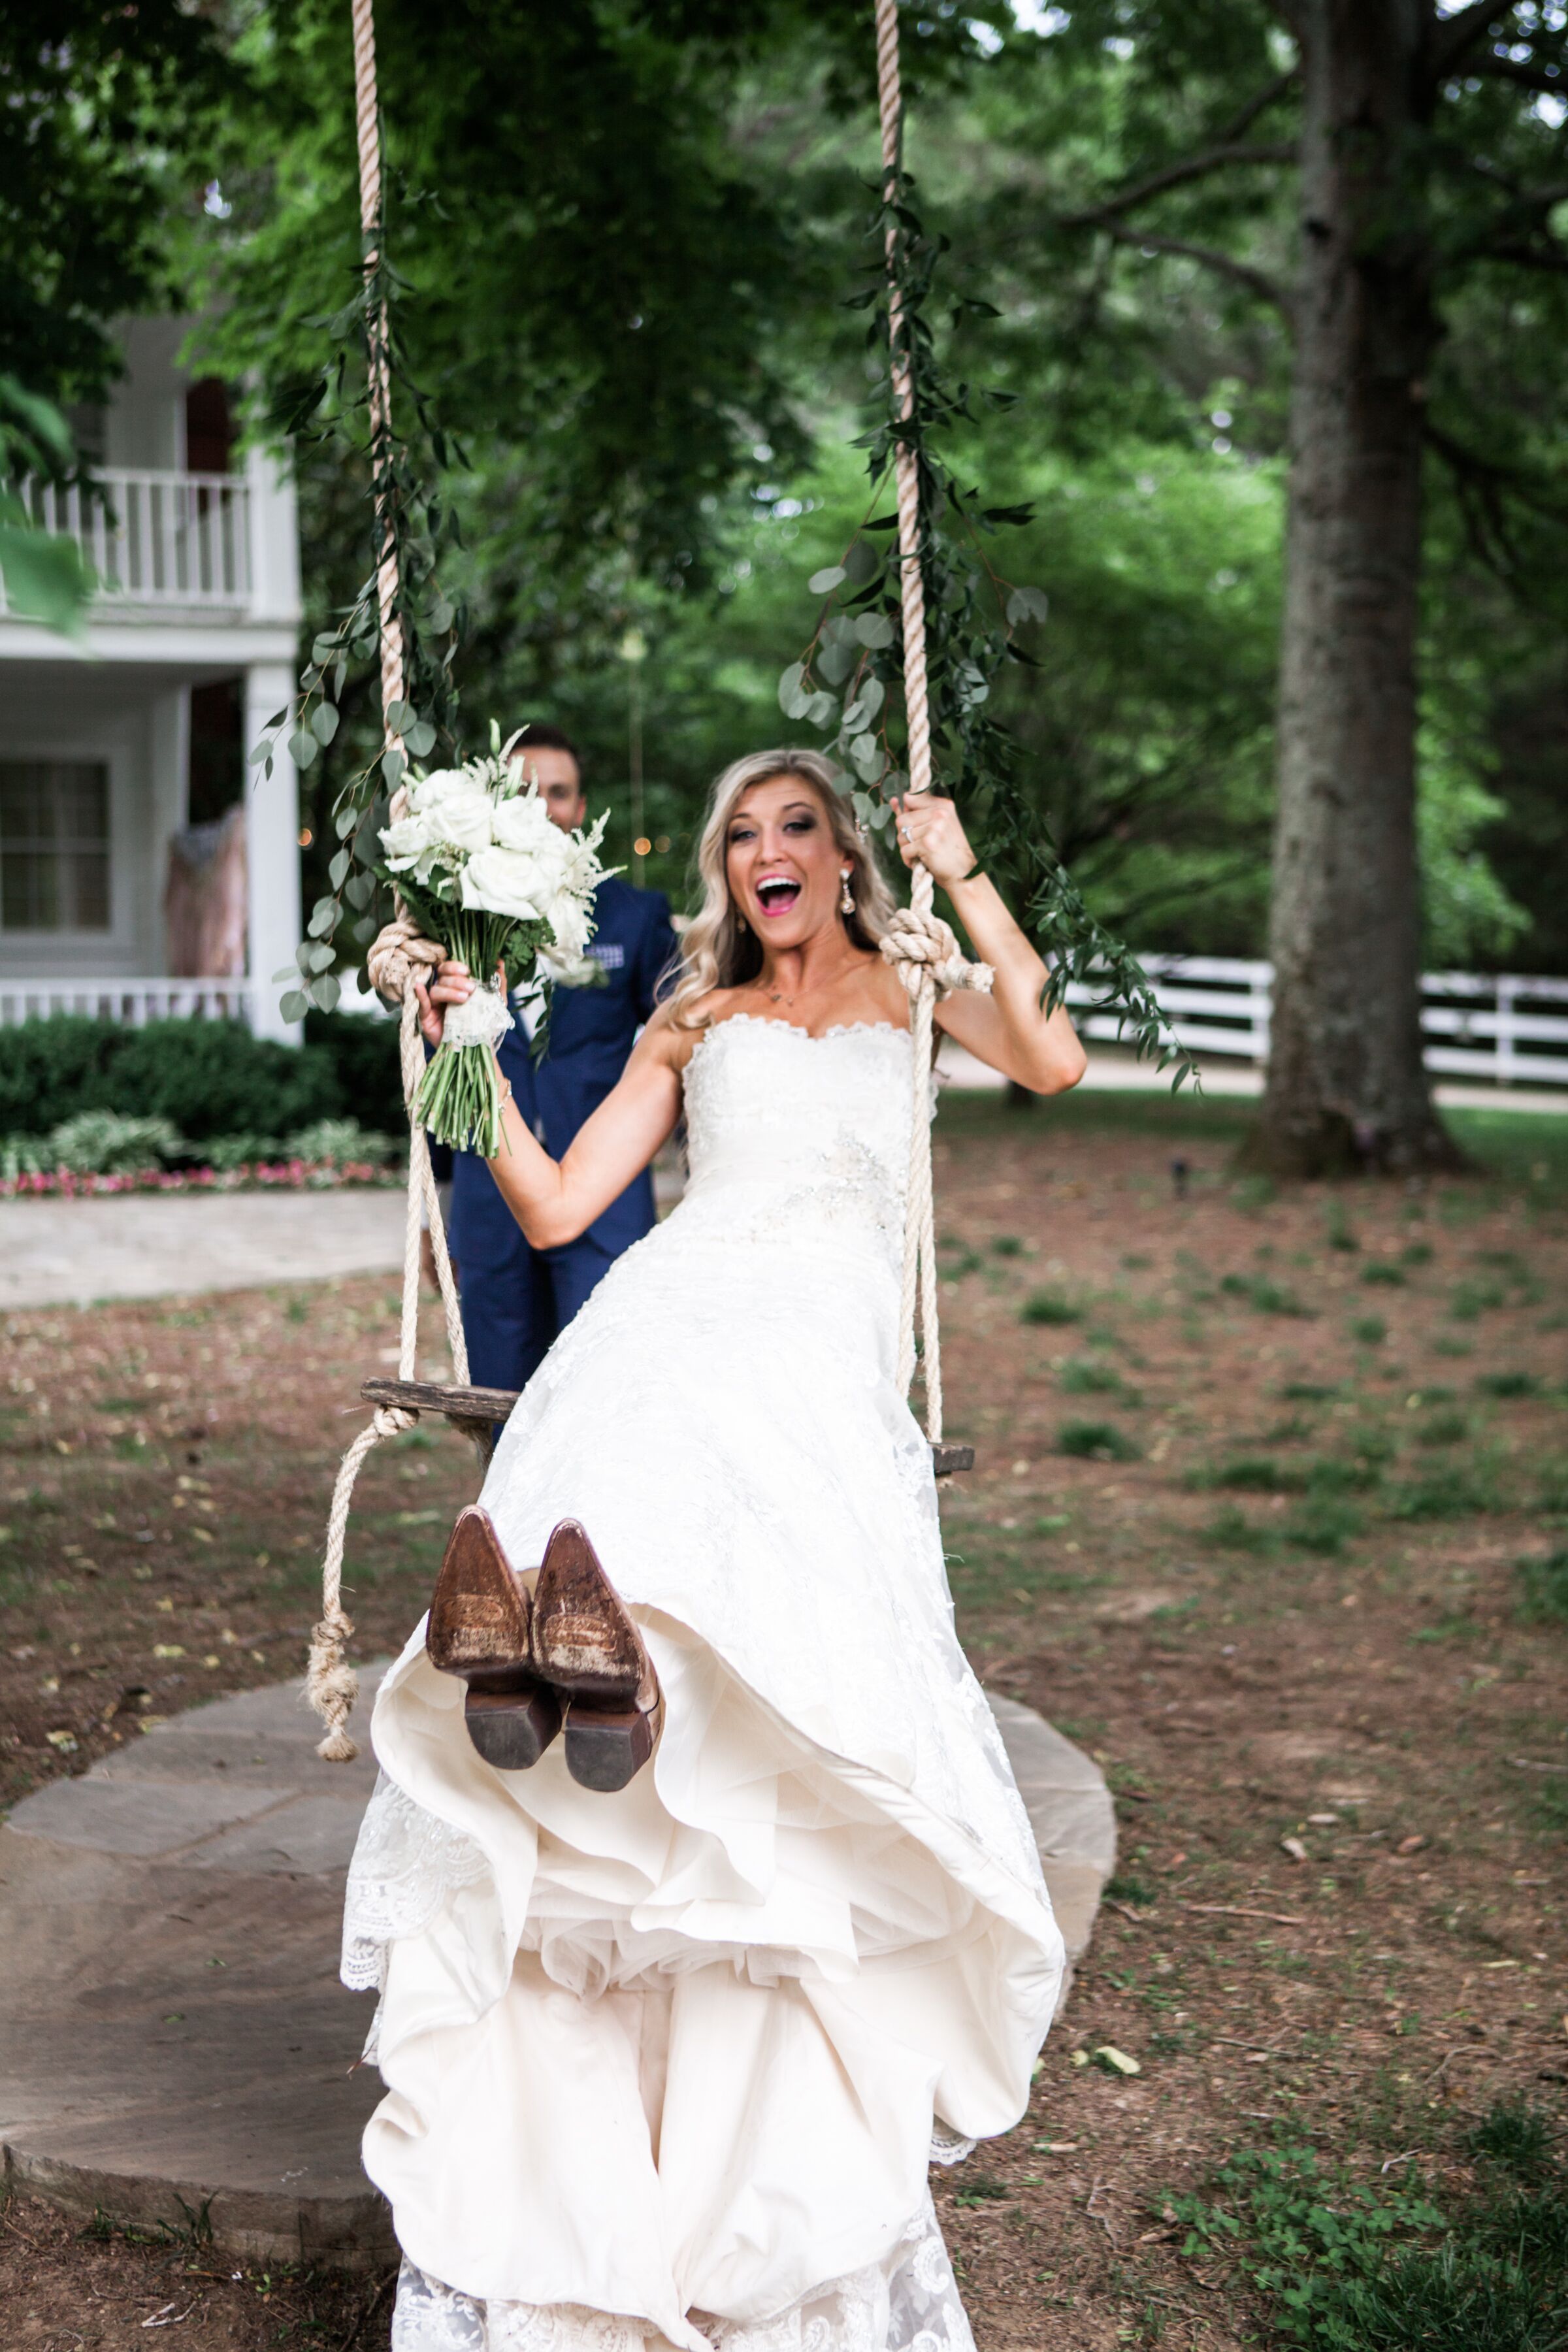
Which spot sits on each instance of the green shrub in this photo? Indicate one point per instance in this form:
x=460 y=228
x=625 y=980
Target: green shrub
x=1415 y=1253
x=1508 y=1384
x=1543 y=1589
x=1380 y=1270
x=1323 y=1523
x=333 y=1140
x=104 y=1143
x=1096 y=1441
x=1370 y=1330
x=1048 y=1307
x=207 y=1077
x=1233 y=1531
x=1255 y=1474
x=1007 y=1245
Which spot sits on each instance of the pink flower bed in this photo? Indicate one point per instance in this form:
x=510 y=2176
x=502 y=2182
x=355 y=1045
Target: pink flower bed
x=281 y=1175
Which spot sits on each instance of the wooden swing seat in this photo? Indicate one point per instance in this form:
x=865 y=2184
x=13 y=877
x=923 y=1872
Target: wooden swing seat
x=479 y=1409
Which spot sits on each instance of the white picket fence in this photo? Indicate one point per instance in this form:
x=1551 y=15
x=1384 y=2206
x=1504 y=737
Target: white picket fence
x=1478 y=1026
x=157 y=538
x=1501 y=1028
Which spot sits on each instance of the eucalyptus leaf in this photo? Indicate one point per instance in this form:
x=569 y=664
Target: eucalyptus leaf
x=821 y=708
x=359 y=890
x=863 y=563
x=867 y=754
x=420 y=738
x=875 y=630
x=303 y=747
x=294 y=1005
x=346 y=819
x=342 y=860
x=324 y=722
x=399 y=714
x=857 y=718
x=794 y=699
x=871 y=696
x=328 y=991
x=836 y=661
x=323 y=918
x=1027 y=605
x=393 y=764
x=823 y=583
x=319 y=956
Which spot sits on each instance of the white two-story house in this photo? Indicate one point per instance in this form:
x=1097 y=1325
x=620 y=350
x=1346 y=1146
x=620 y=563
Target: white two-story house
x=145 y=865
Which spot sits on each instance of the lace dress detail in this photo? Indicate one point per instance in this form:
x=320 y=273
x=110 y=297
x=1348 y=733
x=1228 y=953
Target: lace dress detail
x=816 y=1926
x=907 y=2303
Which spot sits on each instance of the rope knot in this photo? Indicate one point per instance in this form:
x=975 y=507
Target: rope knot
x=918 y=942
x=393 y=1420
x=399 y=951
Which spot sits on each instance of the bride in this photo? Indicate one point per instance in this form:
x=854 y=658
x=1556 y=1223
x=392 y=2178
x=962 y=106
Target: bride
x=668 y=2050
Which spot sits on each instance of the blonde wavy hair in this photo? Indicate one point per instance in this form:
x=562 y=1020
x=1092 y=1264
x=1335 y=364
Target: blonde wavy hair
x=720 y=950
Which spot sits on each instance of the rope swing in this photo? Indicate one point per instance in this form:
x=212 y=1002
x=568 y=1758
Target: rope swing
x=918 y=946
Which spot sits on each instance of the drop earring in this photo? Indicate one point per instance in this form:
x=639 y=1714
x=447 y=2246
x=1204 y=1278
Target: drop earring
x=845 y=896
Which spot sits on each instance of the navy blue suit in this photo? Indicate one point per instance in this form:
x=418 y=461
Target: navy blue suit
x=517 y=1300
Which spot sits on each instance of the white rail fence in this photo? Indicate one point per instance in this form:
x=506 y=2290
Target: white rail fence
x=157 y=538
x=1480 y=1026
x=1500 y=1027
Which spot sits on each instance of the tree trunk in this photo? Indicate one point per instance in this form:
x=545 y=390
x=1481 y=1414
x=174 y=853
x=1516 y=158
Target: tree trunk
x=1346 y=1085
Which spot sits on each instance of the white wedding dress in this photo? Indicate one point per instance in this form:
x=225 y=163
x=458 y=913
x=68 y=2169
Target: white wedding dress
x=663 y=2068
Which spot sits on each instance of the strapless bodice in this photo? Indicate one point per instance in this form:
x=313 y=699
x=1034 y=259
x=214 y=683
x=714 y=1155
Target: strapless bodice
x=790 y=1134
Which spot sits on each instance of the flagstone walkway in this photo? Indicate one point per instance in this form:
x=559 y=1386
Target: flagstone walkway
x=174 y=2041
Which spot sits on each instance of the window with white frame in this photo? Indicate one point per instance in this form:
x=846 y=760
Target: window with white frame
x=54 y=845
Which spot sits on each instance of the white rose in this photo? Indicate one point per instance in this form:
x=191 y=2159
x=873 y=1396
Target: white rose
x=454 y=808
x=504 y=882
x=406 y=842
x=524 y=823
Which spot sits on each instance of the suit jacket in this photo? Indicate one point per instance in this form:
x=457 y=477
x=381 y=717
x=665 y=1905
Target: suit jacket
x=591 y=1032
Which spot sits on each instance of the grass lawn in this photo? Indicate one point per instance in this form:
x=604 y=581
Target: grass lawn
x=1270 y=1513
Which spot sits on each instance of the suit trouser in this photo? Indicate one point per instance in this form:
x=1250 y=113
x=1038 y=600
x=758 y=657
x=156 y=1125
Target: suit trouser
x=517 y=1301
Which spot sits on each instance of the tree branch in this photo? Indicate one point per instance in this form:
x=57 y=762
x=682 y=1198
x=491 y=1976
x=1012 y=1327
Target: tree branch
x=1176 y=175
x=1257 y=283
x=1265 y=99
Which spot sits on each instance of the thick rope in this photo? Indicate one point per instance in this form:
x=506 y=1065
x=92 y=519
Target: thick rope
x=367 y=124
x=397 y=959
x=920 y=1226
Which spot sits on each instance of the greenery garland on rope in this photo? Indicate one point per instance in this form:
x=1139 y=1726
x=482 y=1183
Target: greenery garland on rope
x=856 y=654
x=414 y=522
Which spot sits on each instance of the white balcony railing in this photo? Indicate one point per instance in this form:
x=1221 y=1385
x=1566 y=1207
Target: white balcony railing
x=159 y=539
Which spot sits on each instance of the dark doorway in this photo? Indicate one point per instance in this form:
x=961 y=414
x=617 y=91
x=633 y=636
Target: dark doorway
x=209 y=427
x=217 y=749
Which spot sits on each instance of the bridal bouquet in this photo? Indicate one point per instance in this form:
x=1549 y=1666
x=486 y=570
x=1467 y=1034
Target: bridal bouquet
x=479 y=863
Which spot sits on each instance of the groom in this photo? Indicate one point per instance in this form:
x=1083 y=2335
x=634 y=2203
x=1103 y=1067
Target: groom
x=517 y=1300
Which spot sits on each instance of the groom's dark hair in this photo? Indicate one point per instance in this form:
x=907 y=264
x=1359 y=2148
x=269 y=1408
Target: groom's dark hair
x=539 y=735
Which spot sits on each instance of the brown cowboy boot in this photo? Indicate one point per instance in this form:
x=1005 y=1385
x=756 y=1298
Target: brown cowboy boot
x=584 y=1644
x=480 y=1628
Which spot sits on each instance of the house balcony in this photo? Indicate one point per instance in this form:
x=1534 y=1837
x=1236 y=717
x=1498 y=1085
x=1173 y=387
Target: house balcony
x=158 y=538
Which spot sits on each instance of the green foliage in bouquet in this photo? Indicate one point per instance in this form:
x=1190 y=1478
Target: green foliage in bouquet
x=973 y=616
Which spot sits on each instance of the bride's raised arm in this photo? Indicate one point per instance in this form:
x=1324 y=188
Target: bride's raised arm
x=1007 y=1028
x=554 y=1200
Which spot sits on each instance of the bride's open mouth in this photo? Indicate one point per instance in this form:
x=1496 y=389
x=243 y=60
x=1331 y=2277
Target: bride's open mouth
x=777 y=895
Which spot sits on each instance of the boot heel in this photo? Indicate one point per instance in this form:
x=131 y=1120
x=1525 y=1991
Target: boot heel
x=512 y=1730
x=606 y=1749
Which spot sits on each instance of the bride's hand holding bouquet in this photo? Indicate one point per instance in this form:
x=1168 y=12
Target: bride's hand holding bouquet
x=481 y=865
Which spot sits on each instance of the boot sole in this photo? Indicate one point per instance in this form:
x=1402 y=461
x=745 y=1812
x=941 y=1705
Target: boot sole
x=605 y=1749
x=512 y=1730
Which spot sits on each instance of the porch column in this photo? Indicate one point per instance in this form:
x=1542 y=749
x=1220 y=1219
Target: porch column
x=271 y=852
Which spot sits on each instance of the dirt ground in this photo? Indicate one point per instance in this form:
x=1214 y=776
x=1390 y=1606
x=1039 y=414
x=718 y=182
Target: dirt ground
x=1278 y=1591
